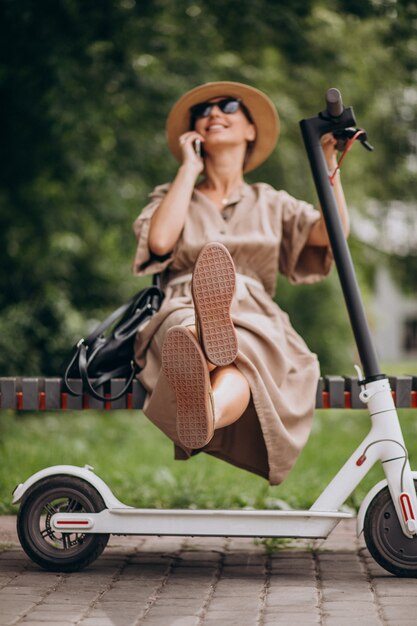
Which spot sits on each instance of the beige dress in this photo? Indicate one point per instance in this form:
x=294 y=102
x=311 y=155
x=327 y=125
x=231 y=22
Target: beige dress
x=266 y=233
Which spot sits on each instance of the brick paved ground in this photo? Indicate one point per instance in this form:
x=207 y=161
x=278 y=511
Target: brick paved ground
x=207 y=582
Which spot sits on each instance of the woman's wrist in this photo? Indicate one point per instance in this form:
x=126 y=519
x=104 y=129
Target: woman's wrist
x=189 y=171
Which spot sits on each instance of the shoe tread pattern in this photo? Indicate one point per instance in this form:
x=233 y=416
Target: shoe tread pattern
x=185 y=367
x=213 y=286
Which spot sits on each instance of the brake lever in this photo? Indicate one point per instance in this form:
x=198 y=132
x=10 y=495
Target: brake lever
x=364 y=141
x=343 y=136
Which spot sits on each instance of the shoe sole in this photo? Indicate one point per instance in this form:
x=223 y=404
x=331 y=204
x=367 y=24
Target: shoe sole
x=185 y=367
x=213 y=285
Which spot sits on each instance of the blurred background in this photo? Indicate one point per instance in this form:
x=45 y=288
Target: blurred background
x=85 y=90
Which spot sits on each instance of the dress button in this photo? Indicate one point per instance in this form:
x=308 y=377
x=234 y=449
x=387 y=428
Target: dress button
x=222 y=232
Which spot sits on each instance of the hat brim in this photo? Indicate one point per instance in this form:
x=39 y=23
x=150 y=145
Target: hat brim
x=261 y=108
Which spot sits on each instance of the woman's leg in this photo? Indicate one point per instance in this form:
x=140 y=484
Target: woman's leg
x=231 y=393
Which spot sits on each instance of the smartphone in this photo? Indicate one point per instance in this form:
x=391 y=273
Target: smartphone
x=197 y=147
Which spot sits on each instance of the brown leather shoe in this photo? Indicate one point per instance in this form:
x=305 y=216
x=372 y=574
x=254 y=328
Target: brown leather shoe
x=185 y=367
x=213 y=285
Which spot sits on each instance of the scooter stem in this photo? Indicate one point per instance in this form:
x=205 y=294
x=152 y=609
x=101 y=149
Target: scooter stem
x=312 y=130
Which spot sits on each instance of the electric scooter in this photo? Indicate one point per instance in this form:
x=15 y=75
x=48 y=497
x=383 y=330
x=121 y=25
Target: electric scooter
x=67 y=513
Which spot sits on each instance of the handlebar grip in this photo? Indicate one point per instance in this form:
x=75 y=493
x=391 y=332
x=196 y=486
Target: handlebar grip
x=334 y=102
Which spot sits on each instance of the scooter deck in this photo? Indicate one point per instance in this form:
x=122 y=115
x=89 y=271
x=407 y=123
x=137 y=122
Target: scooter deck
x=229 y=523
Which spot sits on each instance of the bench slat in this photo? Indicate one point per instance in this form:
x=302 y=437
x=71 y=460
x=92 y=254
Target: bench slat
x=94 y=403
x=30 y=393
x=53 y=400
x=75 y=403
x=335 y=386
x=352 y=387
x=8 y=388
x=402 y=385
x=116 y=386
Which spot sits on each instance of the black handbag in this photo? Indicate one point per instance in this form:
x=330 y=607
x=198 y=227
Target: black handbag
x=103 y=356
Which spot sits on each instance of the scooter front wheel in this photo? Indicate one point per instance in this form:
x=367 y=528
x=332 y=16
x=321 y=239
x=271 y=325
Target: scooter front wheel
x=53 y=550
x=385 y=539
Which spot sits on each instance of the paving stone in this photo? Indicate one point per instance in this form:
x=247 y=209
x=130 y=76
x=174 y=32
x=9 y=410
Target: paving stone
x=291 y=608
x=178 y=581
x=228 y=617
x=394 y=585
x=232 y=603
x=387 y=601
x=394 y=591
x=330 y=594
x=284 y=603
x=51 y=618
x=341 y=613
x=229 y=620
x=306 y=620
x=115 y=596
x=398 y=612
x=179 y=593
x=179 y=602
x=99 y=621
x=196 y=573
x=36 y=622
x=173 y=621
x=63 y=609
x=245 y=560
x=12 y=589
x=276 y=594
x=167 y=613
x=353 y=621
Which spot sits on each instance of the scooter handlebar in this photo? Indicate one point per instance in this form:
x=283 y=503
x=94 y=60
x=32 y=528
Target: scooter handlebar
x=334 y=102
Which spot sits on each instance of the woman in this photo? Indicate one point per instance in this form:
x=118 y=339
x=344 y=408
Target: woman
x=264 y=393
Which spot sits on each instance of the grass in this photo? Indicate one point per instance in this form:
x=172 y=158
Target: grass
x=136 y=460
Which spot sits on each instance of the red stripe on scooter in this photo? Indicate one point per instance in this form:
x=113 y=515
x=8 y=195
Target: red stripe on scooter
x=406 y=507
x=72 y=523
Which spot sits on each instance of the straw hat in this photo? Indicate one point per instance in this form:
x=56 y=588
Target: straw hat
x=261 y=108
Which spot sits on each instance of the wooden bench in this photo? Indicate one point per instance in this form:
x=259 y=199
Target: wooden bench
x=49 y=394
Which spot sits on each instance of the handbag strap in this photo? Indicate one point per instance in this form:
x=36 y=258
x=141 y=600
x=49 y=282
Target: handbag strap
x=109 y=321
x=113 y=374
x=81 y=356
x=80 y=353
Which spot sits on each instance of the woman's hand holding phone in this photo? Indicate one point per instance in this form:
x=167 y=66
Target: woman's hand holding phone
x=191 y=146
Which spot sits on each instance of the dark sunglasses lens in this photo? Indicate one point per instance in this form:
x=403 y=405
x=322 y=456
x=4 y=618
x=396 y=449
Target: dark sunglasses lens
x=229 y=106
x=202 y=110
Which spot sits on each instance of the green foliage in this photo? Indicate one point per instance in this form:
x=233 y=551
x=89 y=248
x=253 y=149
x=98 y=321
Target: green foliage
x=404 y=270
x=85 y=89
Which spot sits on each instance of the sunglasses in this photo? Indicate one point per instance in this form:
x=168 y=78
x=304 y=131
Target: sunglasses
x=226 y=105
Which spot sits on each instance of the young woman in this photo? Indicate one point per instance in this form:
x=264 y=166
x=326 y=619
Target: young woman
x=250 y=400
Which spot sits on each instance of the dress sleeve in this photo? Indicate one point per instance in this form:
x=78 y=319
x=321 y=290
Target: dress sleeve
x=145 y=262
x=299 y=262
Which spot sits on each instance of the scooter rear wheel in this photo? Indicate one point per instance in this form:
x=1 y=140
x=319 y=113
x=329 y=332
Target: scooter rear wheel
x=385 y=540
x=52 y=550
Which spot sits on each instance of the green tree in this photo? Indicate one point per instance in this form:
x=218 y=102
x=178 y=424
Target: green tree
x=85 y=89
